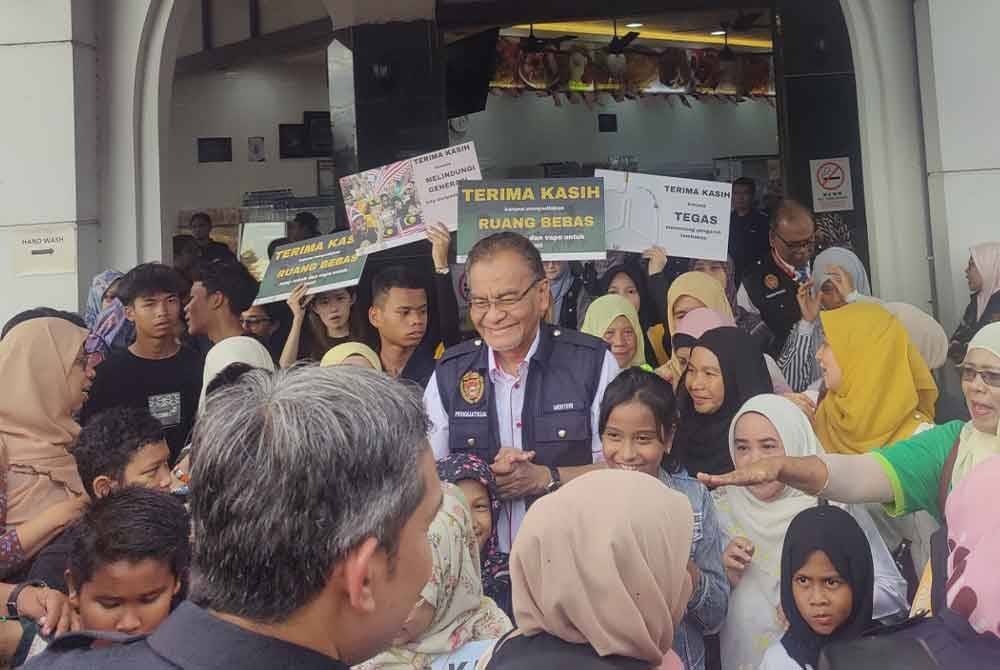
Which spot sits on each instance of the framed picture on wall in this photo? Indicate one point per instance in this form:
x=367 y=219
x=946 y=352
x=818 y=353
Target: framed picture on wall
x=292 y=140
x=318 y=133
x=255 y=150
x=215 y=149
x=326 y=177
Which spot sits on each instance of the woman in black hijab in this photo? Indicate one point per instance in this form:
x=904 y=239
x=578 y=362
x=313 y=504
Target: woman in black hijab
x=725 y=370
x=827 y=587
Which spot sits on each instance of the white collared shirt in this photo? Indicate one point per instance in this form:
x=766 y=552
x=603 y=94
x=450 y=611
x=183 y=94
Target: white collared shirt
x=509 y=395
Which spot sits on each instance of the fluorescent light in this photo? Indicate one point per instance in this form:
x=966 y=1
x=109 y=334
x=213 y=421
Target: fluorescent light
x=633 y=25
x=719 y=33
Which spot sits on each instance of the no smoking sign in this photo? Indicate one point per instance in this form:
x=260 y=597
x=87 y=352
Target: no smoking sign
x=831 y=185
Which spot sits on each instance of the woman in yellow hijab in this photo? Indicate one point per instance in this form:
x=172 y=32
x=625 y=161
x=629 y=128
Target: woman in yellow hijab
x=352 y=353
x=690 y=291
x=879 y=390
x=613 y=319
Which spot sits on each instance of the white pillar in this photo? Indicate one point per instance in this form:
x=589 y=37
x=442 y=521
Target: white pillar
x=957 y=59
x=48 y=152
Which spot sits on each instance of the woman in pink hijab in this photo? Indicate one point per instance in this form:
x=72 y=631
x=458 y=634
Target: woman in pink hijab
x=983 y=275
x=599 y=575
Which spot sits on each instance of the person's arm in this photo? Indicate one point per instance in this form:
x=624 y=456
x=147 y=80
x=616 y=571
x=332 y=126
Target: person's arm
x=849 y=479
x=447 y=301
x=657 y=283
x=710 y=599
x=298 y=303
x=798 y=356
x=438 y=435
x=35 y=533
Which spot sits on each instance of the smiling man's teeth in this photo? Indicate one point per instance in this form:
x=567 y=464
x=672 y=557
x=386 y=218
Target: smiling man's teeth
x=629 y=467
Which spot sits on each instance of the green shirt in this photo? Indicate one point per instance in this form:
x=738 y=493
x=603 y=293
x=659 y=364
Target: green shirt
x=914 y=469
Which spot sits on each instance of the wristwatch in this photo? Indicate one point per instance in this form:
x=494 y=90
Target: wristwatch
x=556 y=481
x=443 y=271
x=12 y=612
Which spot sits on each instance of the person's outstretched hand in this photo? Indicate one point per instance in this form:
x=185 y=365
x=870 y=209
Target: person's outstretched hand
x=737 y=558
x=808 y=302
x=657 y=257
x=764 y=471
x=440 y=239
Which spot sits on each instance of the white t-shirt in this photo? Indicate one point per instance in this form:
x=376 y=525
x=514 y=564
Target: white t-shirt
x=777 y=658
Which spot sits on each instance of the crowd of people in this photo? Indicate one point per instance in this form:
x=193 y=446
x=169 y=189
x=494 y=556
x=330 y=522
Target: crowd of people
x=650 y=462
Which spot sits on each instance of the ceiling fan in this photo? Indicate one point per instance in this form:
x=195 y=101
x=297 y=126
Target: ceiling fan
x=533 y=45
x=618 y=44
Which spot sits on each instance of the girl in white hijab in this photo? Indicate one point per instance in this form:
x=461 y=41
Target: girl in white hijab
x=756 y=520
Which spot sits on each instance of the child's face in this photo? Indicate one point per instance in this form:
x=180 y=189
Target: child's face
x=478 y=499
x=125 y=596
x=150 y=467
x=823 y=597
x=632 y=440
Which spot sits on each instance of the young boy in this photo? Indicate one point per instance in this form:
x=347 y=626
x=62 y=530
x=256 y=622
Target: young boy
x=155 y=372
x=121 y=447
x=129 y=563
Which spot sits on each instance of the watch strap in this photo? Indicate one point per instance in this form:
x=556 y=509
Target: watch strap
x=556 y=479
x=12 y=611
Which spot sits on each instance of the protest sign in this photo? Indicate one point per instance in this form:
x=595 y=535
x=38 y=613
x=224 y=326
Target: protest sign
x=390 y=206
x=564 y=218
x=687 y=217
x=325 y=263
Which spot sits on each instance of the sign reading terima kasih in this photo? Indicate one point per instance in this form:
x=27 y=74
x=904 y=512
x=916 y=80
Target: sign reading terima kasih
x=325 y=263
x=564 y=218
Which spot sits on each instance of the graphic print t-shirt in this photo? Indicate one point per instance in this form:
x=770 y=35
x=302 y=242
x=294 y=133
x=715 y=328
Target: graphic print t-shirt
x=168 y=388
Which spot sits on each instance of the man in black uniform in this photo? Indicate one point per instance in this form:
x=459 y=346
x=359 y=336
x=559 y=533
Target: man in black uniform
x=526 y=396
x=206 y=248
x=313 y=557
x=748 y=227
x=770 y=287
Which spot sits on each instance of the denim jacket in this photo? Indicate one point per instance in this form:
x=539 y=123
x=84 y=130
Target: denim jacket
x=706 y=611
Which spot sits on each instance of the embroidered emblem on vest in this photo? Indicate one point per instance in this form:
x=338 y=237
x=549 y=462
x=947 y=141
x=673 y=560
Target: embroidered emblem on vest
x=472 y=387
x=771 y=281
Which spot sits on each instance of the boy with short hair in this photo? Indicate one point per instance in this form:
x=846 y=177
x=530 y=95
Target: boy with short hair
x=129 y=563
x=156 y=372
x=121 y=447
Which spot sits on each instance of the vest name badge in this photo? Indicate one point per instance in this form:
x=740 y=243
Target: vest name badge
x=472 y=387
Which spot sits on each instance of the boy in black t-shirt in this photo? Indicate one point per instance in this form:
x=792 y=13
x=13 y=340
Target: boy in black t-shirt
x=155 y=372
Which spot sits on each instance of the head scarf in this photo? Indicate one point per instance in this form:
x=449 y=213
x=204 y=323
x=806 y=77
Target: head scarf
x=887 y=390
x=744 y=319
x=741 y=514
x=834 y=532
x=109 y=324
x=623 y=589
x=701 y=438
x=927 y=334
x=973 y=590
x=603 y=311
x=495 y=563
x=846 y=259
x=37 y=429
x=703 y=288
x=975 y=447
x=461 y=613
x=231 y=350
x=647 y=315
x=342 y=352
x=698 y=322
x=986 y=256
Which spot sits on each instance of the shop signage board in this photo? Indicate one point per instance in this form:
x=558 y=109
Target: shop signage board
x=391 y=206
x=44 y=250
x=325 y=263
x=687 y=217
x=564 y=218
x=831 y=185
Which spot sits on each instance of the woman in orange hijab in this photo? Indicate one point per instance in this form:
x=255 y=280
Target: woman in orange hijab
x=44 y=366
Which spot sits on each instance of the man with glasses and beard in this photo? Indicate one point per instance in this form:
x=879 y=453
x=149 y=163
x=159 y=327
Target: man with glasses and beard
x=525 y=396
x=771 y=285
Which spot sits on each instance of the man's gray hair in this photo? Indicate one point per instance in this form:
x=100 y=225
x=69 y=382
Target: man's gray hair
x=291 y=471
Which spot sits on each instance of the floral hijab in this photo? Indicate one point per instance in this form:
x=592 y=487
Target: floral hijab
x=494 y=563
x=462 y=614
x=109 y=324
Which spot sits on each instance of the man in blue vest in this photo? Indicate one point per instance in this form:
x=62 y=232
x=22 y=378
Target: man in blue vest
x=525 y=397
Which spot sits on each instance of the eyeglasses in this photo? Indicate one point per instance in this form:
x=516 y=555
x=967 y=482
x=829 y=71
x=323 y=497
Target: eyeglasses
x=482 y=305
x=801 y=244
x=249 y=323
x=990 y=377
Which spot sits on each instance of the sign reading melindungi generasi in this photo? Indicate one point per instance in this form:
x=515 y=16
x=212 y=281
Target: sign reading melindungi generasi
x=563 y=218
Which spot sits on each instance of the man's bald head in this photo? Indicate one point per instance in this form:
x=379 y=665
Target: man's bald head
x=791 y=229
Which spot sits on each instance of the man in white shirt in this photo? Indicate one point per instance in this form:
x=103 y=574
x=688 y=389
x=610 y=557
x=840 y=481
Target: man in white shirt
x=526 y=396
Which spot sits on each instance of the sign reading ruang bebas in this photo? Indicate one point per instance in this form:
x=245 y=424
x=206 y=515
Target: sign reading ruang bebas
x=325 y=263
x=564 y=218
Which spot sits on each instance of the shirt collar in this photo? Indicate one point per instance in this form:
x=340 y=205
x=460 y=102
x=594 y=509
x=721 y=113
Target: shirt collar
x=785 y=267
x=194 y=639
x=497 y=372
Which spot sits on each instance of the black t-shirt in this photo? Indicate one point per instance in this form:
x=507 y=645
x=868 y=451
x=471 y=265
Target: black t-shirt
x=168 y=387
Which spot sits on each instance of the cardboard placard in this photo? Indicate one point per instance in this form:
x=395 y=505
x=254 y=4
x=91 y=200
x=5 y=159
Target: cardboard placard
x=326 y=263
